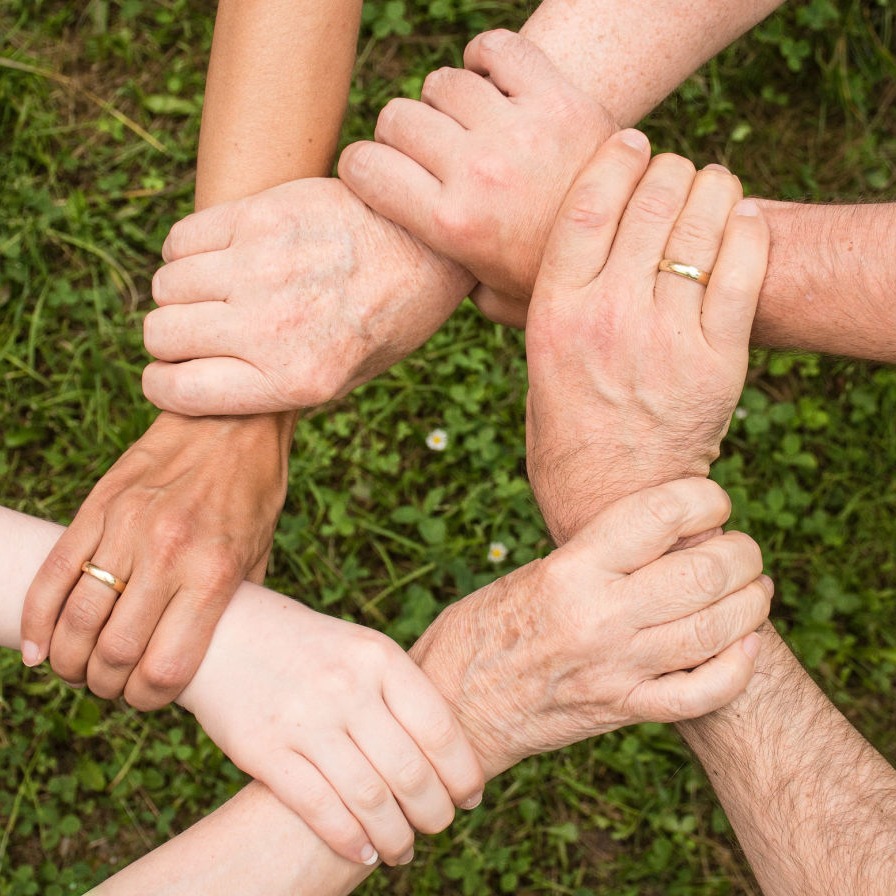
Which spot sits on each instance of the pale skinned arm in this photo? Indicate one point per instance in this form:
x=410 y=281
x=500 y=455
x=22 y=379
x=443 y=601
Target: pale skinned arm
x=277 y=88
x=240 y=278
x=611 y=630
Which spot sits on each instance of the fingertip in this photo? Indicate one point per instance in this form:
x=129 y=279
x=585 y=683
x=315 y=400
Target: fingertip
x=751 y=645
x=747 y=208
x=634 y=139
x=33 y=654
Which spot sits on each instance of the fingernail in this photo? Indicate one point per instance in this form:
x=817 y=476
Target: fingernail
x=714 y=166
x=769 y=584
x=406 y=858
x=747 y=208
x=472 y=802
x=751 y=645
x=635 y=139
x=369 y=856
x=31 y=653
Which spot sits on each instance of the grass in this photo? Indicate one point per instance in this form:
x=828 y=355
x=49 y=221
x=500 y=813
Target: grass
x=99 y=112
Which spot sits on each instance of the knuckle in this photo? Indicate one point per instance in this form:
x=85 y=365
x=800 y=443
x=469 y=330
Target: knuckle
x=372 y=795
x=413 y=777
x=120 y=649
x=436 y=82
x=662 y=507
x=706 y=570
x=84 y=614
x=696 y=232
x=655 y=203
x=164 y=674
x=705 y=634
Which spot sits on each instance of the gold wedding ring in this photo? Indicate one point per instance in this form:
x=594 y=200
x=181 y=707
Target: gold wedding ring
x=685 y=270
x=106 y=578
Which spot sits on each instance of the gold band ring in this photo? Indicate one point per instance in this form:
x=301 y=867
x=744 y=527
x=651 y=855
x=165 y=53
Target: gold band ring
x=685 y=270
x=106 y=578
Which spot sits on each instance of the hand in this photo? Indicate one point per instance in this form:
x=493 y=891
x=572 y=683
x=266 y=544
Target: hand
x=288 y=299
x=479 y=168
x=607 y=631
x=183 y=517
x=338 y=722
x=633 y=373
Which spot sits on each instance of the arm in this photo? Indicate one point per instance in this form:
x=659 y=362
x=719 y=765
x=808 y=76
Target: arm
x=278 y=82
x=812 y=802
x=831 y=274
x=254 y=253
x=681 y=622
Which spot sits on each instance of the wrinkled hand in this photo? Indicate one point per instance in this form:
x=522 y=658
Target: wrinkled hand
x=183 y=517
x=634 y=374
x=338 y=722
x=607 y=631
x=288 y=299
x=479 y=168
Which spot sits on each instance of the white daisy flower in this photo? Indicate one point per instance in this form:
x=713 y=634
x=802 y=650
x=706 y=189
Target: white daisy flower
x=437 y=440
x=497 y=552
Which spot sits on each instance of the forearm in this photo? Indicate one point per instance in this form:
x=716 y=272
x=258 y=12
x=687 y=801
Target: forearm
x=630 y=54
x=831 y=282
x=276 y=93
x=812 y=803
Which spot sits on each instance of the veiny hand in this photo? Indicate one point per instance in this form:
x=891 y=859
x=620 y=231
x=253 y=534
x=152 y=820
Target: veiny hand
x=288 y=299
x=607 y=631
x=338 y=721
x=479 y=168
x=183 y=517
x=634 y=374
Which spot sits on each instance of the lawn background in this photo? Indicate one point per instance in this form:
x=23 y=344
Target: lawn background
x=99 y=111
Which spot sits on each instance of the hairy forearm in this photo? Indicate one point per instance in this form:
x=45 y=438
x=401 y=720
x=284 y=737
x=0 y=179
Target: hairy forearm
x=812 y=803
x=276 y=93
x=629 y=54
x=831 y=282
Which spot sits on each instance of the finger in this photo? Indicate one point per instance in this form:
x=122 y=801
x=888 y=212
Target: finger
x=696 y=237
x=733 y=292
x=641 y=527
x=683 y=582
x=499 y=309
x=195 y=278
x=421 y=133
x=688 y=642
x=87 y=609
x=125 y=636
x=712 y=685
x=407 y=772
x=301 y=786
x=57 y=576
x=186 y=332
x=178 y=642
x=648 y=221
x=464 y=96
x=210 y=230
x=425 y=715
x=584 y=231
x=397 y=187
x=209 y=387
x=514 y=64
x=366 y=795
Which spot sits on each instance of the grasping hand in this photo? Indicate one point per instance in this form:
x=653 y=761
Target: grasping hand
x=288 y=299
x=478 y=169
x=634 y=373
x=607 y=631
x=182 y=517
x=338 y=721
